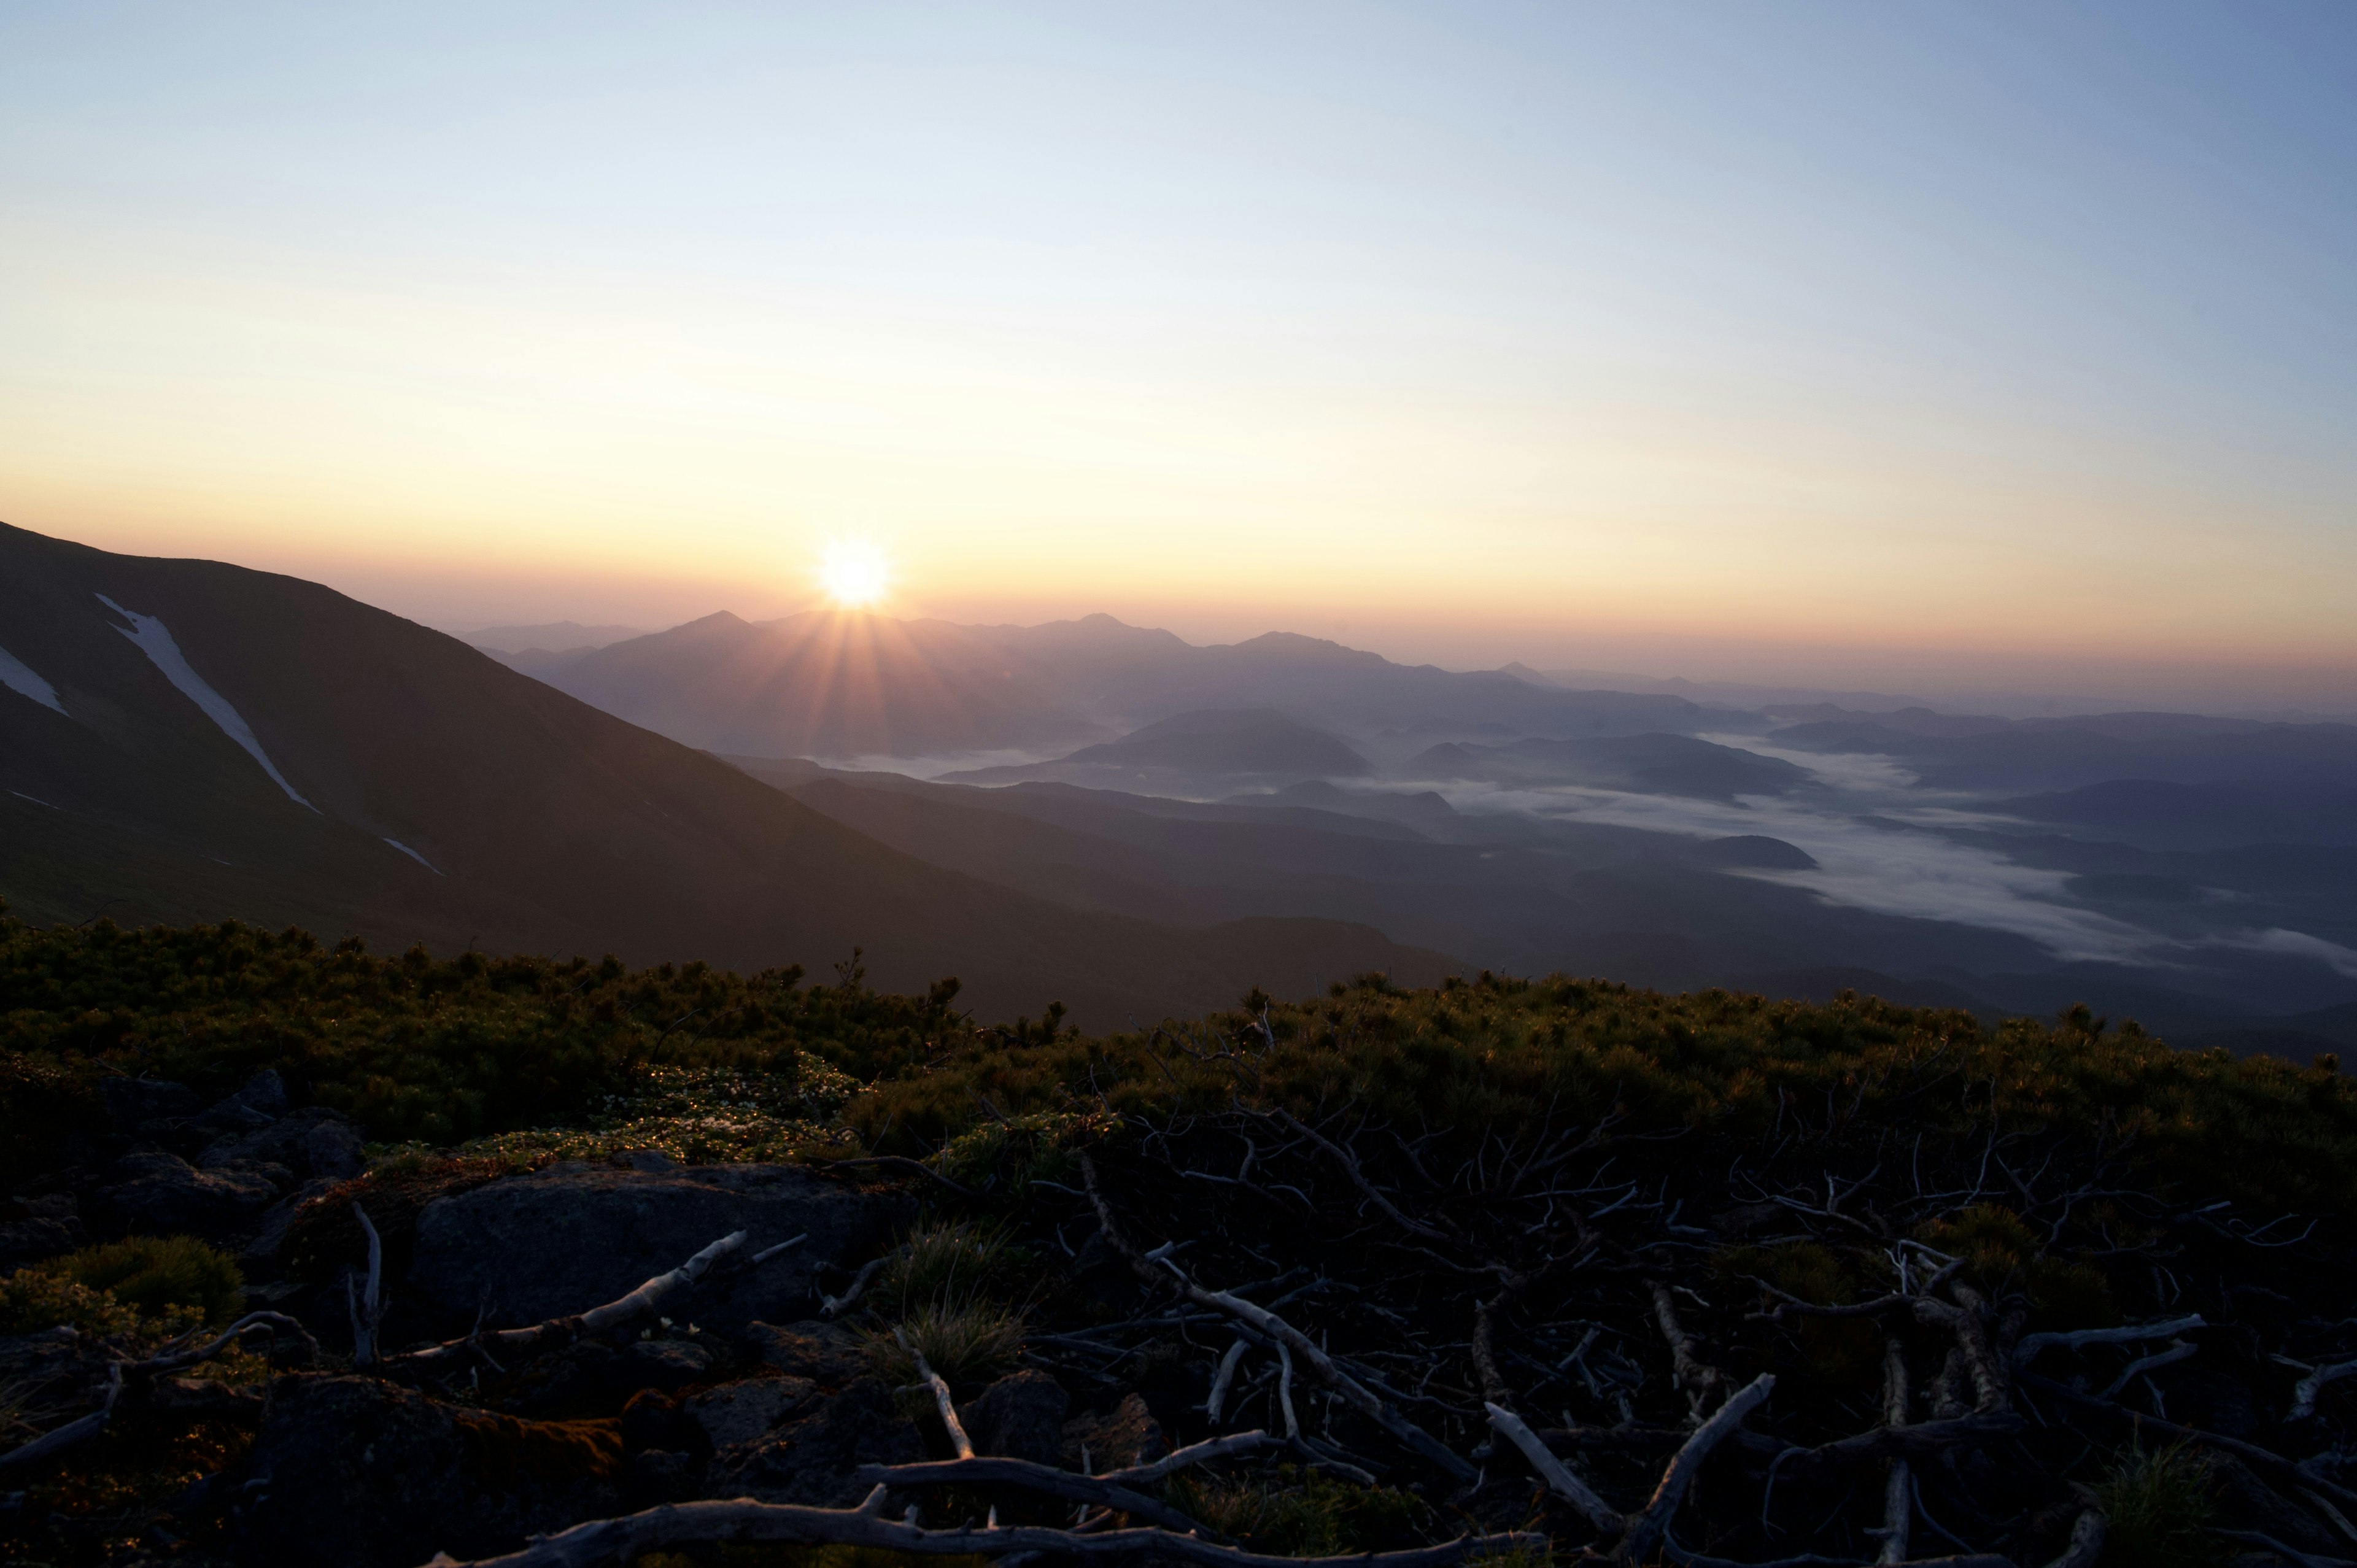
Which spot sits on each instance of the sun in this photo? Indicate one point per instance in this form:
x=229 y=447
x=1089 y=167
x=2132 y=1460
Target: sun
x=854 y=574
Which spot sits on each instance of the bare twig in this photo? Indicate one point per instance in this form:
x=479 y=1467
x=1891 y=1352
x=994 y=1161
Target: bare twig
x=1694 y=1375
x=2031 y=1344
x=941 y=1401
x=610 y=1543
x=560 y=1331
x=970 y=1471
x=1649 y=1524
x=836 y=1305
x=1354 y=1393
x=1897 y=1508
x=367 y=1306
x=1598 y=1513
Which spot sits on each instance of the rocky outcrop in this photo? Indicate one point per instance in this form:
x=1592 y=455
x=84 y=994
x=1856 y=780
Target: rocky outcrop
x=1021 y=1416
x=746 y=1410
x=1127 y=1435
x=154 y=1192
x=814 y=1457
x=354 y=1471
x=828 y=1354
x=573 y=1237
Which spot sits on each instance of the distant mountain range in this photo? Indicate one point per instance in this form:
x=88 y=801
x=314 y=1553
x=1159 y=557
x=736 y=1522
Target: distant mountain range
x=844 y=686
x=184 y=741
x=1135 y=825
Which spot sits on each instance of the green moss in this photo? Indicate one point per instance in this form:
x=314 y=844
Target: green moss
x=158 y=1273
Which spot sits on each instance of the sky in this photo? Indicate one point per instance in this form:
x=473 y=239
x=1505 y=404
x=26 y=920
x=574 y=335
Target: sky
x=1990 y=344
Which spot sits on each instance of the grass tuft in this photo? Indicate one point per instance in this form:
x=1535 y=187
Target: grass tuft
x=2161 y=1503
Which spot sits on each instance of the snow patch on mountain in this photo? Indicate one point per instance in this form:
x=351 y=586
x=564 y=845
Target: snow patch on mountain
x=414 y=855
x=19 y=678
x=152 y=638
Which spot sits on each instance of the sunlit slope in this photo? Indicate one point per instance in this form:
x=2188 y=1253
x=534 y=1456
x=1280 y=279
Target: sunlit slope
x=430 y=792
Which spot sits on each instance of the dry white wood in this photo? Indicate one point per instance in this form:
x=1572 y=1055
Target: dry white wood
x=989 y=1470
x=766 y=1253
x=1694 y=1375
x=1285 y=1389
x=367 y=1306
x=644 y=1299
x=1375 y=1195
x=612 y=1542
x=1967 y=1319
x=1898 y=1500
x=836 y=1305
x=2309 y=1389
x=941 y=1401
x=564 y=1330
x=73 y=1432
x=1357 y=1395
x=1597 y=1511
x=2088 y=1532
x=2031 y=1344
x=1647 y=1526
x=1193 y=1454
x=2178 y=1350
x=1225 y=1376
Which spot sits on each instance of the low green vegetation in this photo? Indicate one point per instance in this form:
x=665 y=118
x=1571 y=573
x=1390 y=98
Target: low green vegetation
x=157 y=1274
x=2161 y=1503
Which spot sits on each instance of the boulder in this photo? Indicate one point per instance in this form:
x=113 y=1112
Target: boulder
x=828 y=1354
x=815 y=1458
x=27 y=1241
x=593 y=1378
x=265 y=1091
x=315 y=1142
x=1127 y=1436
x=654 y=1419
x=746 y=1411
x=1021 y=1416
x=160 y=1193
x=355 y=1471
x=132 y=1102
x=570 y=1238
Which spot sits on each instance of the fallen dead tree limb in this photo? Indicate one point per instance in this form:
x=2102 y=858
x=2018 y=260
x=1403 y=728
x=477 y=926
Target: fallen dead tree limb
x=2267 y=1461
x=1193 y=1454
x=1357 y=1395
x=1367 y=1190
x=1685 y=1559
x=2031 y=1344
x=611 y=1543
x=1651 y=1523
x=1582 y=1497
x=941 y=1401
x=1041 y=1478
x=138 y=1378
x=1925 y=1440
x=557 y=1332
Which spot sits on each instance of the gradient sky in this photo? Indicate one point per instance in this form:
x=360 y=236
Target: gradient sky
x=1990 y=342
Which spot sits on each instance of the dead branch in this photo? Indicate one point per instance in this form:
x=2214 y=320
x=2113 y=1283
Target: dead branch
x=2309 y=1389
x=1226 y=1375
x=1367 y=1190
x=1647 y=1526
x=836 y=1305
x=1897 y=1508
x=941 y=1401
x=1485 y=1358
x=1354 y=1393
x=2088 y=1532
x=1193 y=1454
x=2264 y=1460
x=2031 y=1344
x=1967 y=1319
x=1694 y=1375
x=560 y=1331
x=1926 y=1440
x=1042 y=1478
x=1599 y=1513
x=2288 y=1553
x=367 y=1306
x=73 y=1432
x=611 y=1543
x=902 y=1162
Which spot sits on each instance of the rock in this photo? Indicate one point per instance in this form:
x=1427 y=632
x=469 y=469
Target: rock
x=314 y=1141
x=158 y=1193
x=2245 y=1502
x=654 y=1419
x=829 y=1354
x=743 y=1411
x=593 y=1378
x=351 y=1470
x=228 y=1118
x=261 y=1255
x=650 y=1160
x=1021 y=1416
x=132 y=1102
x=572 y=1236
x=815 y=1457
x=1129 y=1435
x=265 y=1091
x=332 y=1150
x=53 y=1206
x=34 y=1240
x=656 y=1477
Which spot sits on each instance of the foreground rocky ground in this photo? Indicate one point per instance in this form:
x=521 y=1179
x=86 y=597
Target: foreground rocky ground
x=1505 y=1271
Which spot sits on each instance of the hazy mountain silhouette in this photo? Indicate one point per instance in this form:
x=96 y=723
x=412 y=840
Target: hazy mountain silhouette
x=1209 y=743
x=1645 y=764
x=269 y=749
x=549 y=636
x=2053 y=754
x=2158 y=814
x=860 y=685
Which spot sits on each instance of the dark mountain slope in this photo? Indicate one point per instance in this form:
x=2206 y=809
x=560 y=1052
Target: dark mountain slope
x=1645 y=764
x=523 y=817
x=1223 y=744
